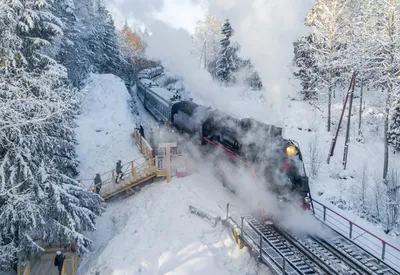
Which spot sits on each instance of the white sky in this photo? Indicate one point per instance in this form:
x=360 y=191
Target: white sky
x=177 y=13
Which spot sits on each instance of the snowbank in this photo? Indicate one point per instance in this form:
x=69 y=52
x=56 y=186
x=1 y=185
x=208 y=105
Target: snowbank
x=105 y=126
x=153 y=232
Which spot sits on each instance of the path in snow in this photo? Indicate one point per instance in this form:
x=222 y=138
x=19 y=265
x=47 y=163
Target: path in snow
x=105 y=127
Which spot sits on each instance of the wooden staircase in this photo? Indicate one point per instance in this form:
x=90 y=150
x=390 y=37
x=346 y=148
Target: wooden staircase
x=43 y=263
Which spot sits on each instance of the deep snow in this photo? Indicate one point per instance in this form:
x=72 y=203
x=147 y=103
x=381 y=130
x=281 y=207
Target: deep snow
x=105 y=126
x=154 y=233
x=151 y=232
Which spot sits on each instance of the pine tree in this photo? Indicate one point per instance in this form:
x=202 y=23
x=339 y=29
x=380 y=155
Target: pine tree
x=73 y=52
x=394 y=131
x=227 y=62
x=39 y=199
x=306 y=67
x=107 y=54
x=251 y=77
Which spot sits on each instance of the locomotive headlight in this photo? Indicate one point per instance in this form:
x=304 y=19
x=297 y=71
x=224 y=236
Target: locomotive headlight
x=282 y=199
x=290 y=150
x=307 y=200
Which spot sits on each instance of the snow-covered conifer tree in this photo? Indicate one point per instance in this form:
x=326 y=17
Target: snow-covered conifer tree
x=39 y=199
x=227 y=62
x=394 y=130
x=108 y=56
x=306 y=67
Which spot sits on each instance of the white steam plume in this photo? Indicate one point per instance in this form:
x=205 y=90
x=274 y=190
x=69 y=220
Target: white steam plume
x=266 y=30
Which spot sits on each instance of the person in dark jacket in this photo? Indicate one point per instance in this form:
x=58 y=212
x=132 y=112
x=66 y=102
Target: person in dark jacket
x=97 y=183
x=59 y=261
x=141 y=130
x=118 y=169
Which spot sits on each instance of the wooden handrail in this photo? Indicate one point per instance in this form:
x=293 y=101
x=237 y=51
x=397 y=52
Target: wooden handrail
x=128 y=170
x=135 y=160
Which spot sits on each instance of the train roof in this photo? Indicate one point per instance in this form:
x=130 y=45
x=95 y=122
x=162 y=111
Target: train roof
x=147 y=82
x=189 y=107
x=163 y=93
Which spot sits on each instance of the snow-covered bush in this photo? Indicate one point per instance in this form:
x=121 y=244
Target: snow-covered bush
x=385 y=208
x=360 y=194
x=314 y=157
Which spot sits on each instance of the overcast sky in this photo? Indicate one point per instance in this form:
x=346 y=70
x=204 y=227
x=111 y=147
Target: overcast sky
x=177 y=13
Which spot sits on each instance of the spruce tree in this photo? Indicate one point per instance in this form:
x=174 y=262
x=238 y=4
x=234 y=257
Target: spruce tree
x=108 y=57
x=39 y=198
x=394 y=131
x=77 y=25
x=306 y=67
x=227 y=62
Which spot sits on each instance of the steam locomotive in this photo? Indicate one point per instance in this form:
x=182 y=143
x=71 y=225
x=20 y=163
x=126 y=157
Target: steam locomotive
x=255 y=146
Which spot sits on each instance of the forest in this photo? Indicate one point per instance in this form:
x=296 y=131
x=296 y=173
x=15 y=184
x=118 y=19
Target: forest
x=49 y=48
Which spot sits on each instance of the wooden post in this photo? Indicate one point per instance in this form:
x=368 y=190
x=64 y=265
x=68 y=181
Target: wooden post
x=168 y=147
x=347 y=140
x=334 y=139
x=133 y=169
x=113 y=176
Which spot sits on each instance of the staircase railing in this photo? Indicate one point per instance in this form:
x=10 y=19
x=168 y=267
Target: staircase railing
x=134 y=170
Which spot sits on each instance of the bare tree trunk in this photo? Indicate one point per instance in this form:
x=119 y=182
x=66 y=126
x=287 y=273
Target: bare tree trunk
x=386 y=129
x=361 y=106
x=329 y=104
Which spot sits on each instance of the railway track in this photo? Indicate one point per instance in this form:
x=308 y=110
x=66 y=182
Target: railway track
x=341 y=256
x=351 y=254
x=309 y=255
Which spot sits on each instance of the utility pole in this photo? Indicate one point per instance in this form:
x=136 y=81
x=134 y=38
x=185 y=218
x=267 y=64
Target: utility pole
x=346 y=144
x=334 y=139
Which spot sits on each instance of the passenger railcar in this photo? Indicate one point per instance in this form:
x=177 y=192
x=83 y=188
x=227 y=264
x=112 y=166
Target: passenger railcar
x=158 y=101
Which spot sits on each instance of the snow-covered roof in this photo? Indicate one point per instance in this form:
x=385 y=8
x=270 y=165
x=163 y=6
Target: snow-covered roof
x=146 y=81
x=163 y=93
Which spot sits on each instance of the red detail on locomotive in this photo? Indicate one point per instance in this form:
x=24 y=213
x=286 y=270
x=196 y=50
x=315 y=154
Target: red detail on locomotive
x=253 y=172
x=285 y=167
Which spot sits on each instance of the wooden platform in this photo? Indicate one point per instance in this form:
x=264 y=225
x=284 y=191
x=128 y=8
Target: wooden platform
x=47 y=267
x=125 y=186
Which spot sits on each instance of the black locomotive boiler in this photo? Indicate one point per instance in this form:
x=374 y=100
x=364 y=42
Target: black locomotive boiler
x=247 y=142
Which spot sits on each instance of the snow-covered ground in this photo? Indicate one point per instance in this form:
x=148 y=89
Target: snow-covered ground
x=105 y=126
x=337 y=188
x=151 y=232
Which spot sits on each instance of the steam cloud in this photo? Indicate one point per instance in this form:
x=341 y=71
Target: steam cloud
x=266 y=30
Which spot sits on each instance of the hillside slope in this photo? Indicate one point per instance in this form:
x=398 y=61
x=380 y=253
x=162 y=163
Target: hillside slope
x=151 y=232
x=105 y=126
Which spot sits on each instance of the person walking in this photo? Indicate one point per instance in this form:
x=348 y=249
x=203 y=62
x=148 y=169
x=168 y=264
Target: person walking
x=97 y=183
x=59 y=261
x=118 y=169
